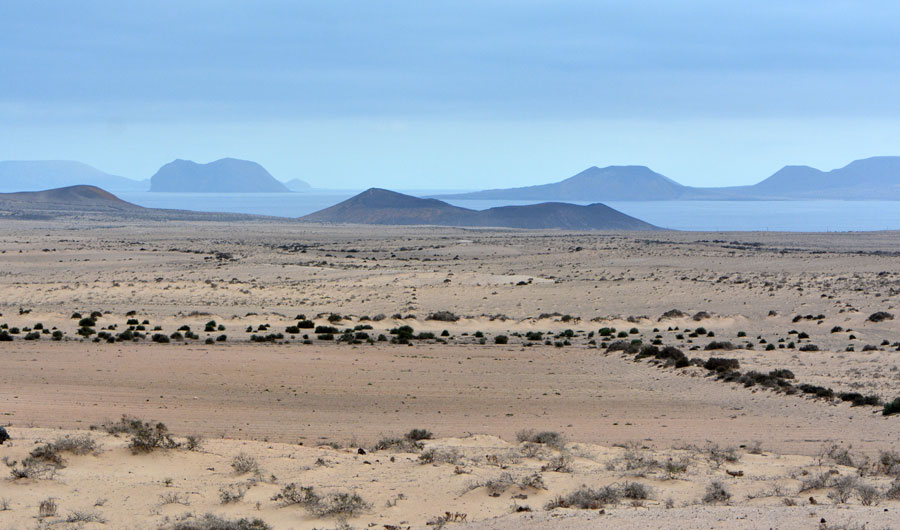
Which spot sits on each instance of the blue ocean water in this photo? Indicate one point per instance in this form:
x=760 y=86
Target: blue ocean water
x=791 y=216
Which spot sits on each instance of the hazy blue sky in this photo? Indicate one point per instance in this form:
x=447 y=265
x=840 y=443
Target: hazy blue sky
x=429 y=94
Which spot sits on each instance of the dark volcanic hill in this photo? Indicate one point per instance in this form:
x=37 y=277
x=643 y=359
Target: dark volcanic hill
x=95 y=203
x=383 y=207
x=34 y=175
x=228 y=175
x=612 y=183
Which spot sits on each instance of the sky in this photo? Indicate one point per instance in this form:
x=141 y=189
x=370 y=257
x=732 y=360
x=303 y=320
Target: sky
x=451 y=94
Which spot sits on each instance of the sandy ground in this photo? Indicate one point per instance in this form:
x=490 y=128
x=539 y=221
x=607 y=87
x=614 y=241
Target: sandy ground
x=291 y=397
x=466 y=482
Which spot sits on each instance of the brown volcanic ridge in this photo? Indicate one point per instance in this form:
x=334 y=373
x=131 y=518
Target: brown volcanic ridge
x=59 y=200
x=91 y=201
x=384 y=207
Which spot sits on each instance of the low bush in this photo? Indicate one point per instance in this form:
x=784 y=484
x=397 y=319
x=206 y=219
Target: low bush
x=818 y=391
x=548 y=438
x=716 y=493
x=244 y=463
x=586 y=498
x=880 y=316
x=892 y=408
x=145 y=437
x=215 y=522
x=635 y=491
x=338 y=504
x=442 y=316
x=721 y=364
x=859 y=400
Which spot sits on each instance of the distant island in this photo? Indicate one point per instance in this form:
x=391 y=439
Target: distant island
x=227 y=175
x=34 y=175
x=298 y=185
x=876 y=178
x=384 y=207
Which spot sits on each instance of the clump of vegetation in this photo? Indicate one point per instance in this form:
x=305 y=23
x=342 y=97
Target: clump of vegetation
x=635 y=491
x=880 y=316
x=721 y=364
x=432 y=456
x=232 y=494
x=51 y=453
x=47 y=507
x=31 y=468
x=892 y=408
x=244 y=463
x=586 y=498
x=859 y=400
x=337 y=504
x=214 y=522
x=410 y=442
x=719 y=345
x=84 y=516
x=561 y=463
x=145 y=437
x=716 y=493
x=548 y=438
x=442 y=316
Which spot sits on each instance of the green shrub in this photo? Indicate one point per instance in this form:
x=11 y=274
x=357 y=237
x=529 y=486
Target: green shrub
x=892 y=408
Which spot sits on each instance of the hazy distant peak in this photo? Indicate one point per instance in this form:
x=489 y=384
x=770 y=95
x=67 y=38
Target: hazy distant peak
x=33 y=175
x=610 y=183
x=298 y=185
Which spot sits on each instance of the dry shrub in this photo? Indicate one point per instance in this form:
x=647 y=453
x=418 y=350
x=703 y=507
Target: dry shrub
x=586 y=498
x=232 y=493
x=548 y=438
x=716 y=493
x=145 y=437
x=47 y=508
x=338 y=504
x=446 y=456
x=635 y=490
x=214 y=522
x=560 y=464
x=244 y=463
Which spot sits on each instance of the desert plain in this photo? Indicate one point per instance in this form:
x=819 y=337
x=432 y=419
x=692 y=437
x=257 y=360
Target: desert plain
x=448 y=378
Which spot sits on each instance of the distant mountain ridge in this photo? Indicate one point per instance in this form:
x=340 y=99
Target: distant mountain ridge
x=35 y=175
x=612 y=183
x=227 y=175
x=876 y=178
x=384 y=207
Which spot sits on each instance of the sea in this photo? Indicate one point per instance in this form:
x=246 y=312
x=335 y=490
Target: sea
x=780 y=216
